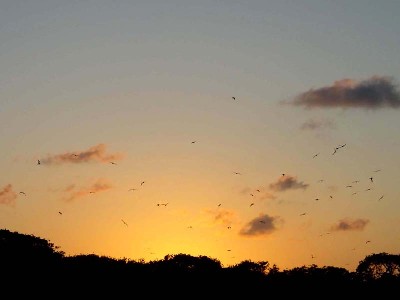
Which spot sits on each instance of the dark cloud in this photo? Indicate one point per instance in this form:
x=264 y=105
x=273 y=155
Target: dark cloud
x=372 y=93
x=74 y=192
x=7 y=195
x=287 y=182
x=347 y=224
x=317 y=124
x=261 y=225
x=95 y=153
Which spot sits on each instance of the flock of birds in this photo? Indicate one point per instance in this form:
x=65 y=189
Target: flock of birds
x=335 y=151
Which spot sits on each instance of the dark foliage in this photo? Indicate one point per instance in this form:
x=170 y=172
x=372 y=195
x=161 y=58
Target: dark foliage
x=37 y=267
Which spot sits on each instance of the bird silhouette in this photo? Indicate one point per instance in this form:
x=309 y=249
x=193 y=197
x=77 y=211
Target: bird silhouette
x=193 y=142
x=380 y=198
x=303 y=214
x=23 y=193
x=124 y=223
x=142 y=183
x=38 y=162
x=234 y=98
x=229 y=227
x=315 y=155
x=372 y=179
x=258 y=191
x=60 y=212
x=132 y=190
x=251 y=204
x=368 y=242
x=113 y=163
x=219 y=205
x=237 y=173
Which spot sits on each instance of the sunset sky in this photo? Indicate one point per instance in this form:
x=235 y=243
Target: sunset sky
x=238 y=130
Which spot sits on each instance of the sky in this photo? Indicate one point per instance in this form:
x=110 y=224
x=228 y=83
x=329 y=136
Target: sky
x=238 y=130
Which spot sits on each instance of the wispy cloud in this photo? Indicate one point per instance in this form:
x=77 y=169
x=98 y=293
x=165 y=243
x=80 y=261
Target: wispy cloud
x=313 y=124
x=348 y=224
x=7 y=195
x=287 y=182
x=74 y=192
x=372 y=93
x=95 y=153
x=222 y=216
x=261 y=225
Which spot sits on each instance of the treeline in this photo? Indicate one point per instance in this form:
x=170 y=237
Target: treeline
x=34 y=263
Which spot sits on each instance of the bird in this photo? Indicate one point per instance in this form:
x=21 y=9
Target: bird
x=283 y=174
x=91 y=192
x=124 y=223
x=251 y=204
x=190 y=227
x=229 y=227
x=312 y=256
x=368 y=242
x=38 y=162
x=23 y=193
x=113 y=163
x=334 y=151
x=219 y=205
x=356 y=181
x=252 y=195
x=330 y=196
x=349 y=186
x=354 y=193
x=320 y=180
x=234 y=98
x=368 y=189
x=237 y=173
x=303 y=214
x=315 y=155
x=228 y=250
x=258 y=191
x=262 y=221
x=193 y=142
x=60 y=212
x=316 y=199
x=131 y=189
x=372 y=179
x=142 y=183
x=380 y=198
x=377 y=170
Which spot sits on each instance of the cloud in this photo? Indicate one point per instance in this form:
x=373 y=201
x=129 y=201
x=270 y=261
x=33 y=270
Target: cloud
x=7 y=195
x=347 y=224
x=261 y=225
x=95 y=153
x=287 y=182
x=74 y=192
x=222 y=216
x=372 y=93
x=317 y=124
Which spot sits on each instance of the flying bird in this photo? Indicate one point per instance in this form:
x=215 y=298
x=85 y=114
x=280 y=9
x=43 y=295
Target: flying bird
x=303 y=214
x=142 y=183
x=23 y=193
x=251 y=204
x=219 y=205
x=38 y=162
x=262 y=221
x=237 y=173
x=234 y=98
x=380 y=198
x=315 y=155
x=193 y=142
x=60 y=212
x=229 y=227
x=372 y=179
x=113 y=163
x=124 y=223
x=131 y=189
x=368 y=242
x=258 y=191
